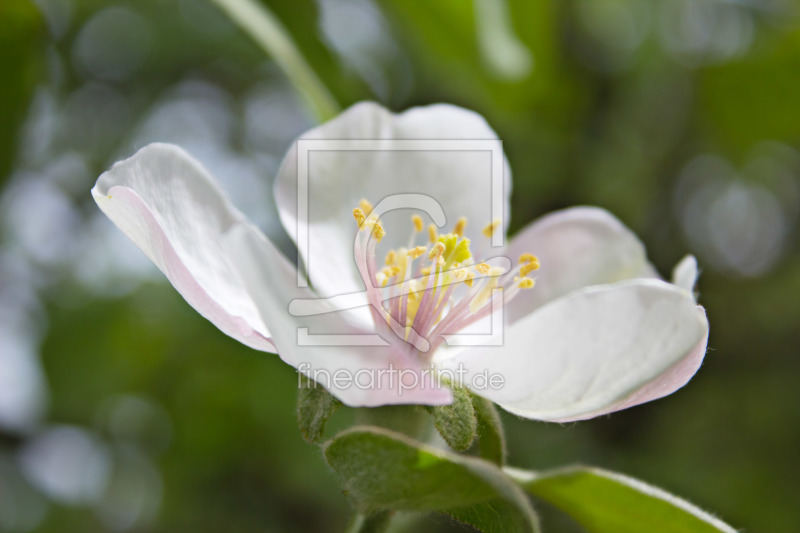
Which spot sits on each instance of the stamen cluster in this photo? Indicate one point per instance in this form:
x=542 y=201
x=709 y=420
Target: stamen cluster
x=424 y=292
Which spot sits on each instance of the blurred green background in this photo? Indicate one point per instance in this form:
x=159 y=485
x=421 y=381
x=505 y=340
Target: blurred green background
x=121 y=409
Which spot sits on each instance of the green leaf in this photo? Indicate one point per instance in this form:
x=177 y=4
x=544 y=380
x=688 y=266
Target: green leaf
x=315 y=405
x=606 y=502
x=491 y=437
x=383 y=469
x=456 y=422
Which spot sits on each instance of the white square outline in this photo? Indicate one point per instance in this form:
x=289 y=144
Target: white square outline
x=497 y=178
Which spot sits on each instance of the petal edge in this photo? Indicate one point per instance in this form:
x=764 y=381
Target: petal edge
x=170 y=207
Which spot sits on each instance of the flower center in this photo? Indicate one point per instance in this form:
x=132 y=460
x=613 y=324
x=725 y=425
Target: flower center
x=424 y=292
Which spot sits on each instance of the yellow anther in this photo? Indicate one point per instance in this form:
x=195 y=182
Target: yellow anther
x=526 y=283
x=359 y=215
x=386 y=274
x=526 y=269
x=436 y=250
x=490 y=228
x=460 y=274
x=483 y=268
x=451 y=263
x=378 y=231
x=460 y=225
x=365 y=206
x=416 y=252
x=432 y=233
x=417 y=221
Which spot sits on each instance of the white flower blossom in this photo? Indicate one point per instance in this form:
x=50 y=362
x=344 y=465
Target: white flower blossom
x=589 y=326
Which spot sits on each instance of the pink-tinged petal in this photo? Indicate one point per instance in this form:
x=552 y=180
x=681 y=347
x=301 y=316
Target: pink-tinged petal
x=594 y=351
x=673 y=379
x=576 y=247
x=167 y=204
x=460 y=180
x=377 y=368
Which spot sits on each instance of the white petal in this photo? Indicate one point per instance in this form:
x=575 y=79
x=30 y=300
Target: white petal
x=665 y=384
x=362 y=379
x=459 y=180
x=167 y=204
x=684 y=275
x=595 y=351
x=576 y=247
